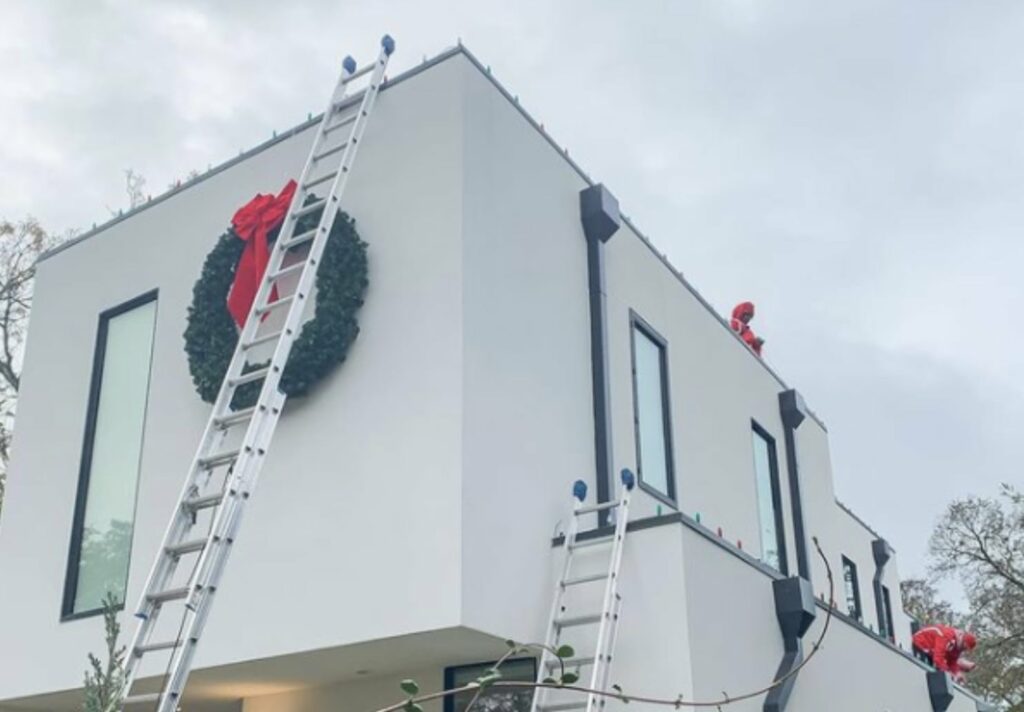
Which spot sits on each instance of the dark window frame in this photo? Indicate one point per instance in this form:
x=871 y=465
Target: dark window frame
x=776 y=484
x=449 y=676
x=637 y=323
x=859 y=615
x=890 y=632
x=68 y=612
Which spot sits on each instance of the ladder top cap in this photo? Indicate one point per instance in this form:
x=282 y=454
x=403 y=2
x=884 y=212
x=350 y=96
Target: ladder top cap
x=579 y=490
x=349 y=64
x=388 y=43
x=628 y=478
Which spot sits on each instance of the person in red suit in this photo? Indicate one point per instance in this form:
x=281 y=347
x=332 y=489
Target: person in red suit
x=742 y=313
x=945 y=645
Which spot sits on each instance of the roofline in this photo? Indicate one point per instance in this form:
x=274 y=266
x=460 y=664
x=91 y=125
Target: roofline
x=408 y=74
x=860 y=521
x=242 y=156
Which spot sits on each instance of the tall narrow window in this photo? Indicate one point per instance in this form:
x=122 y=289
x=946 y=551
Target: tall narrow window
x=890 y=633
x=852 y=589
x=105 y=507
x=651 y=411
x=769 y=499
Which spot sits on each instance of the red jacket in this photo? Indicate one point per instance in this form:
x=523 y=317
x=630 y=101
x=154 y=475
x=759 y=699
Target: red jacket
x=740 y=327
x=944 y=643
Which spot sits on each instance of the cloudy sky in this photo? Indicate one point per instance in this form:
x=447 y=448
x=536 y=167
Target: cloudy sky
x=856 y=168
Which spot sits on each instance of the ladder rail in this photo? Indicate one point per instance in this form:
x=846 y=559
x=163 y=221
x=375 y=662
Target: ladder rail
x=245 y=467
x=612 y=638
x=196 y=614
x=304 y=286
x=610 y=602
x=607 y=620
x=552 y=635
x=161 y=571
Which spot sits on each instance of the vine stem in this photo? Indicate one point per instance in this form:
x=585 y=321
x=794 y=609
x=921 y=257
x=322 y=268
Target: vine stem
x=677 y=702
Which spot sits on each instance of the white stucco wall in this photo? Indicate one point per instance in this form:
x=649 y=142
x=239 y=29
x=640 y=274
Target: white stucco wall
x=736 y=645
x=703 y=626
x=717 y=388
x=528 y=423
x=361 y=492
x=419 y=487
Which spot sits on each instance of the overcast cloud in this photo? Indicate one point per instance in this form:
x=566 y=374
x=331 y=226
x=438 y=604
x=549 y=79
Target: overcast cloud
x=855 y=168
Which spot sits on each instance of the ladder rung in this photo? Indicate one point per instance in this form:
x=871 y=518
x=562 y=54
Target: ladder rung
x=578 y=620
x=585 y=579
x=283 y=301
x=259 y=340
x=311 y=208
x=142 y=699
x=360 y=72
x=221 y=458
x=197 y=503
x=297 y=240
x=330 y=152
x=344 y=122
x=321 y=179
x=238 y=416
x=154 y=647
x=257 y=375
x=598 y=507
x=596 y=541
x=286 y=270
x=571 y=662
x=563 y=706
x=170 y=594
x=186 y=547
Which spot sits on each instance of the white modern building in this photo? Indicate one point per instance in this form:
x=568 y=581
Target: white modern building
x=517 y=335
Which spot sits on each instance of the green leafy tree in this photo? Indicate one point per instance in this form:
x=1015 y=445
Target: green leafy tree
x=980 y=541
x=104 y=680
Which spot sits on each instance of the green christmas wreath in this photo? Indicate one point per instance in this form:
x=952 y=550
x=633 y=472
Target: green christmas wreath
x=323 y=343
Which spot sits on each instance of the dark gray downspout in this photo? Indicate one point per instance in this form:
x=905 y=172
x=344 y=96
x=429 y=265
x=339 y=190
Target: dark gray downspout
x=795 y=609
x=940 y=690
x=599 y=213
x=882 y=552
x=793 y=411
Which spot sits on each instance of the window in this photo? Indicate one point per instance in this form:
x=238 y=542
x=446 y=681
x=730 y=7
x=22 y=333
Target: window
x=852 y=589
x=769 y=499
x=890 y=632
x=105 y=506
x=494 y=699
x=651 y=411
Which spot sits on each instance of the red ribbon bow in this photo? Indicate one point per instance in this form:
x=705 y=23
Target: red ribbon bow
x=252 y=223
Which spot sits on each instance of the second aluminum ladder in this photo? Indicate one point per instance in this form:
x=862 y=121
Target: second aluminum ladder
x=603 y=623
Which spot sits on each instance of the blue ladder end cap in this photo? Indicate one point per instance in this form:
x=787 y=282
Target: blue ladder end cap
x=628 y=479
x=579 y=490
x=349 y=64
x=388 y=43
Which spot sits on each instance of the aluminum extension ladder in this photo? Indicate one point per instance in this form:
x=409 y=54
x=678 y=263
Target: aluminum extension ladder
x=221 y=478
x=606 y=620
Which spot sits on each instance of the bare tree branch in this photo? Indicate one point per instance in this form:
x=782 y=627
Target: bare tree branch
x=21 y=244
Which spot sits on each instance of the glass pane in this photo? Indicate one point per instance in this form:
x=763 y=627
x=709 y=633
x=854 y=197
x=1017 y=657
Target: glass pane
x=765 y=505
x=116 y=447
x=887 y=605
x=495 y=699
x=653 y=460
x=850 y=586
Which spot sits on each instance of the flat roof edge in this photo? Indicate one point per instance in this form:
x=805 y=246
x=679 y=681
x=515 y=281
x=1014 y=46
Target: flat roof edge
x=408 y=74
x=243 y=156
